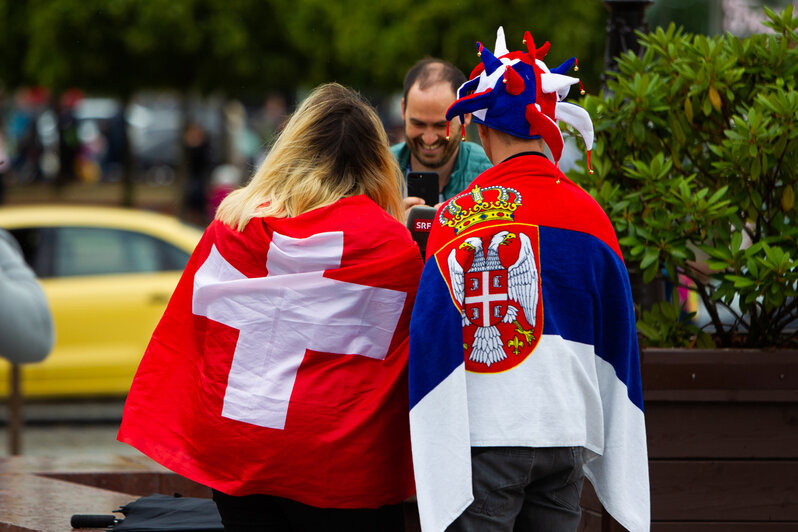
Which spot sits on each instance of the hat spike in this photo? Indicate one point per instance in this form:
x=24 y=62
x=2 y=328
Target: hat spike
x=541 y=52
x=501 y=44
x=514 y=81
x=579 y=119
x=530 y=44
x=489 y=60
x=565 y=67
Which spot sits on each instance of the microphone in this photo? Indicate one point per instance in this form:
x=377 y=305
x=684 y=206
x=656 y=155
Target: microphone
x=419 y=222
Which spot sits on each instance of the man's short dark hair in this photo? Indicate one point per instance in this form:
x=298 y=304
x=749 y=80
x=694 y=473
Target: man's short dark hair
x=431 y=71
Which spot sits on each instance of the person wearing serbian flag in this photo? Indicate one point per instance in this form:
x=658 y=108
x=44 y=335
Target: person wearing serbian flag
x=278 y=373
x=524 y=364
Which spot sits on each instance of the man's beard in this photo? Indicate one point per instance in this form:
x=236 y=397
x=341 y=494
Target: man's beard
x=450 y=148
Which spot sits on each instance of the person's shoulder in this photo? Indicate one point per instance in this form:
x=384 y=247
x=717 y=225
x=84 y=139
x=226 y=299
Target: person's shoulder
x=474 y=155
x=379 y=219
x=6 y=236
x=373 y=229
x=8 y=244
x=398 y=148
x=595 y=219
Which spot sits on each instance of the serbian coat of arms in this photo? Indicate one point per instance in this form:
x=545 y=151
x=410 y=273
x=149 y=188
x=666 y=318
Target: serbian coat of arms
x=493 y=266
x=496 y=283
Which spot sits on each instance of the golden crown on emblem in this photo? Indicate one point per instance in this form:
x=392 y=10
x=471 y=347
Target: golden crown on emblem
x=499 y=204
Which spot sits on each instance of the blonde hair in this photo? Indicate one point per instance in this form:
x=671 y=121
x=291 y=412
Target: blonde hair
x=332 y=147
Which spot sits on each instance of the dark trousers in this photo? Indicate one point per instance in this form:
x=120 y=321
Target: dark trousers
x=522 y=489
x=266 y=513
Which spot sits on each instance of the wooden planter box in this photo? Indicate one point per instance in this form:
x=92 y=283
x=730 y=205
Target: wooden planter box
x=722 y=429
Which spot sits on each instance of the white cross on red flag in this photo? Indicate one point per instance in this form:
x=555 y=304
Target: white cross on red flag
x=280 y=365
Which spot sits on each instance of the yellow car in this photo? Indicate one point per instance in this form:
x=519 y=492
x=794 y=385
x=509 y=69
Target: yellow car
x=108 y=274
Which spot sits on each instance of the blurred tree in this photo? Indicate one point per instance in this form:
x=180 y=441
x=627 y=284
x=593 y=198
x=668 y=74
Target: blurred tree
x=246 y=48
x=13 y=42
x=121 y=46
x=83 y=44
x=372 y=44
x=243 y=46
x=118 y=47
x=696 y=17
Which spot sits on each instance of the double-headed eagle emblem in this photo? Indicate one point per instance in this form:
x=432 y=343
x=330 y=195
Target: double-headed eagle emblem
x=489 y=294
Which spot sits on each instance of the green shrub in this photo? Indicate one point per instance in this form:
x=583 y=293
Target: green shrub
x=696 y=158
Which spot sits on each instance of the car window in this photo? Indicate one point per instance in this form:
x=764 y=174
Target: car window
x=33 y=241
x=100 y=251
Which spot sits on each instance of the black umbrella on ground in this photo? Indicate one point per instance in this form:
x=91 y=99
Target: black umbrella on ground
x=156 y=513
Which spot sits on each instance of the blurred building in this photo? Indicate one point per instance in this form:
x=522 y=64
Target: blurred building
x=711 y=17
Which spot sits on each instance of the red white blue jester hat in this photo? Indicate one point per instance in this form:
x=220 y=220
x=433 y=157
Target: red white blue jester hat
x=515 y=92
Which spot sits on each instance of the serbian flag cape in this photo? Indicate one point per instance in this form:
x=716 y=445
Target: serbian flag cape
x=523 y=334
x=280 y=364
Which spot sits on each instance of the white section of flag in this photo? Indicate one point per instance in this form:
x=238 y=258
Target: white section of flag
x=442 y=453
x=504 y=409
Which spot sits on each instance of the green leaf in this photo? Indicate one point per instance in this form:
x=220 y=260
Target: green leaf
x=650 y=257
x=718 y=253
x=678 y=133
x=740 y=281
x=650 y=273
x=753 y=267
x=780 y=145
x=648 y=331
x=706 y=106
x=628 y=241
x=669 y=312
x=756 y=169
x=788 y=198
x=679 y=253
x=717 y=265
x=638 y=130
x=718 y=194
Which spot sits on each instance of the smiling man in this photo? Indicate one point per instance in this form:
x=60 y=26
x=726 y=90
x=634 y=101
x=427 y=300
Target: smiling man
x=430 y=87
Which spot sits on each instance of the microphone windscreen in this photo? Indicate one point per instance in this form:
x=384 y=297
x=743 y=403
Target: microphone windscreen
x=419 y=222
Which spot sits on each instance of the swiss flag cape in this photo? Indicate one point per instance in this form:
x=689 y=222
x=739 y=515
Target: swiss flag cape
x=280 y=364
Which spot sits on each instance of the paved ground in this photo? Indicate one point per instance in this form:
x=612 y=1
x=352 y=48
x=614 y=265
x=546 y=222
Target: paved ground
x=67 y=428
x=59 y=440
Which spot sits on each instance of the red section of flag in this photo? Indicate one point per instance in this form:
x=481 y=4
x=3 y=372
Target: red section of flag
x=345 y=443
x=554 y=202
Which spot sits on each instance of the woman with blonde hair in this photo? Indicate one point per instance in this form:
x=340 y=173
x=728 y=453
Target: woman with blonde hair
x=334 y=146
x=278 y=373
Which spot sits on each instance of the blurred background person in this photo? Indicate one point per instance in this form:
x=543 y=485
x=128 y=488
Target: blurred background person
x=26 y=325
x=430 y=87
x=225 y=178
x=5 y=165
x=198 y=169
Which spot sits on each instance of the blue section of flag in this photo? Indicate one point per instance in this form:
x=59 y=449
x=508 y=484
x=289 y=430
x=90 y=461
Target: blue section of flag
x=584 y=319
x=562 y=254
x=434 y=309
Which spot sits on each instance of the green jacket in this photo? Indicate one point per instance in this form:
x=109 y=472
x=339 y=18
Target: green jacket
x=471 y=161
